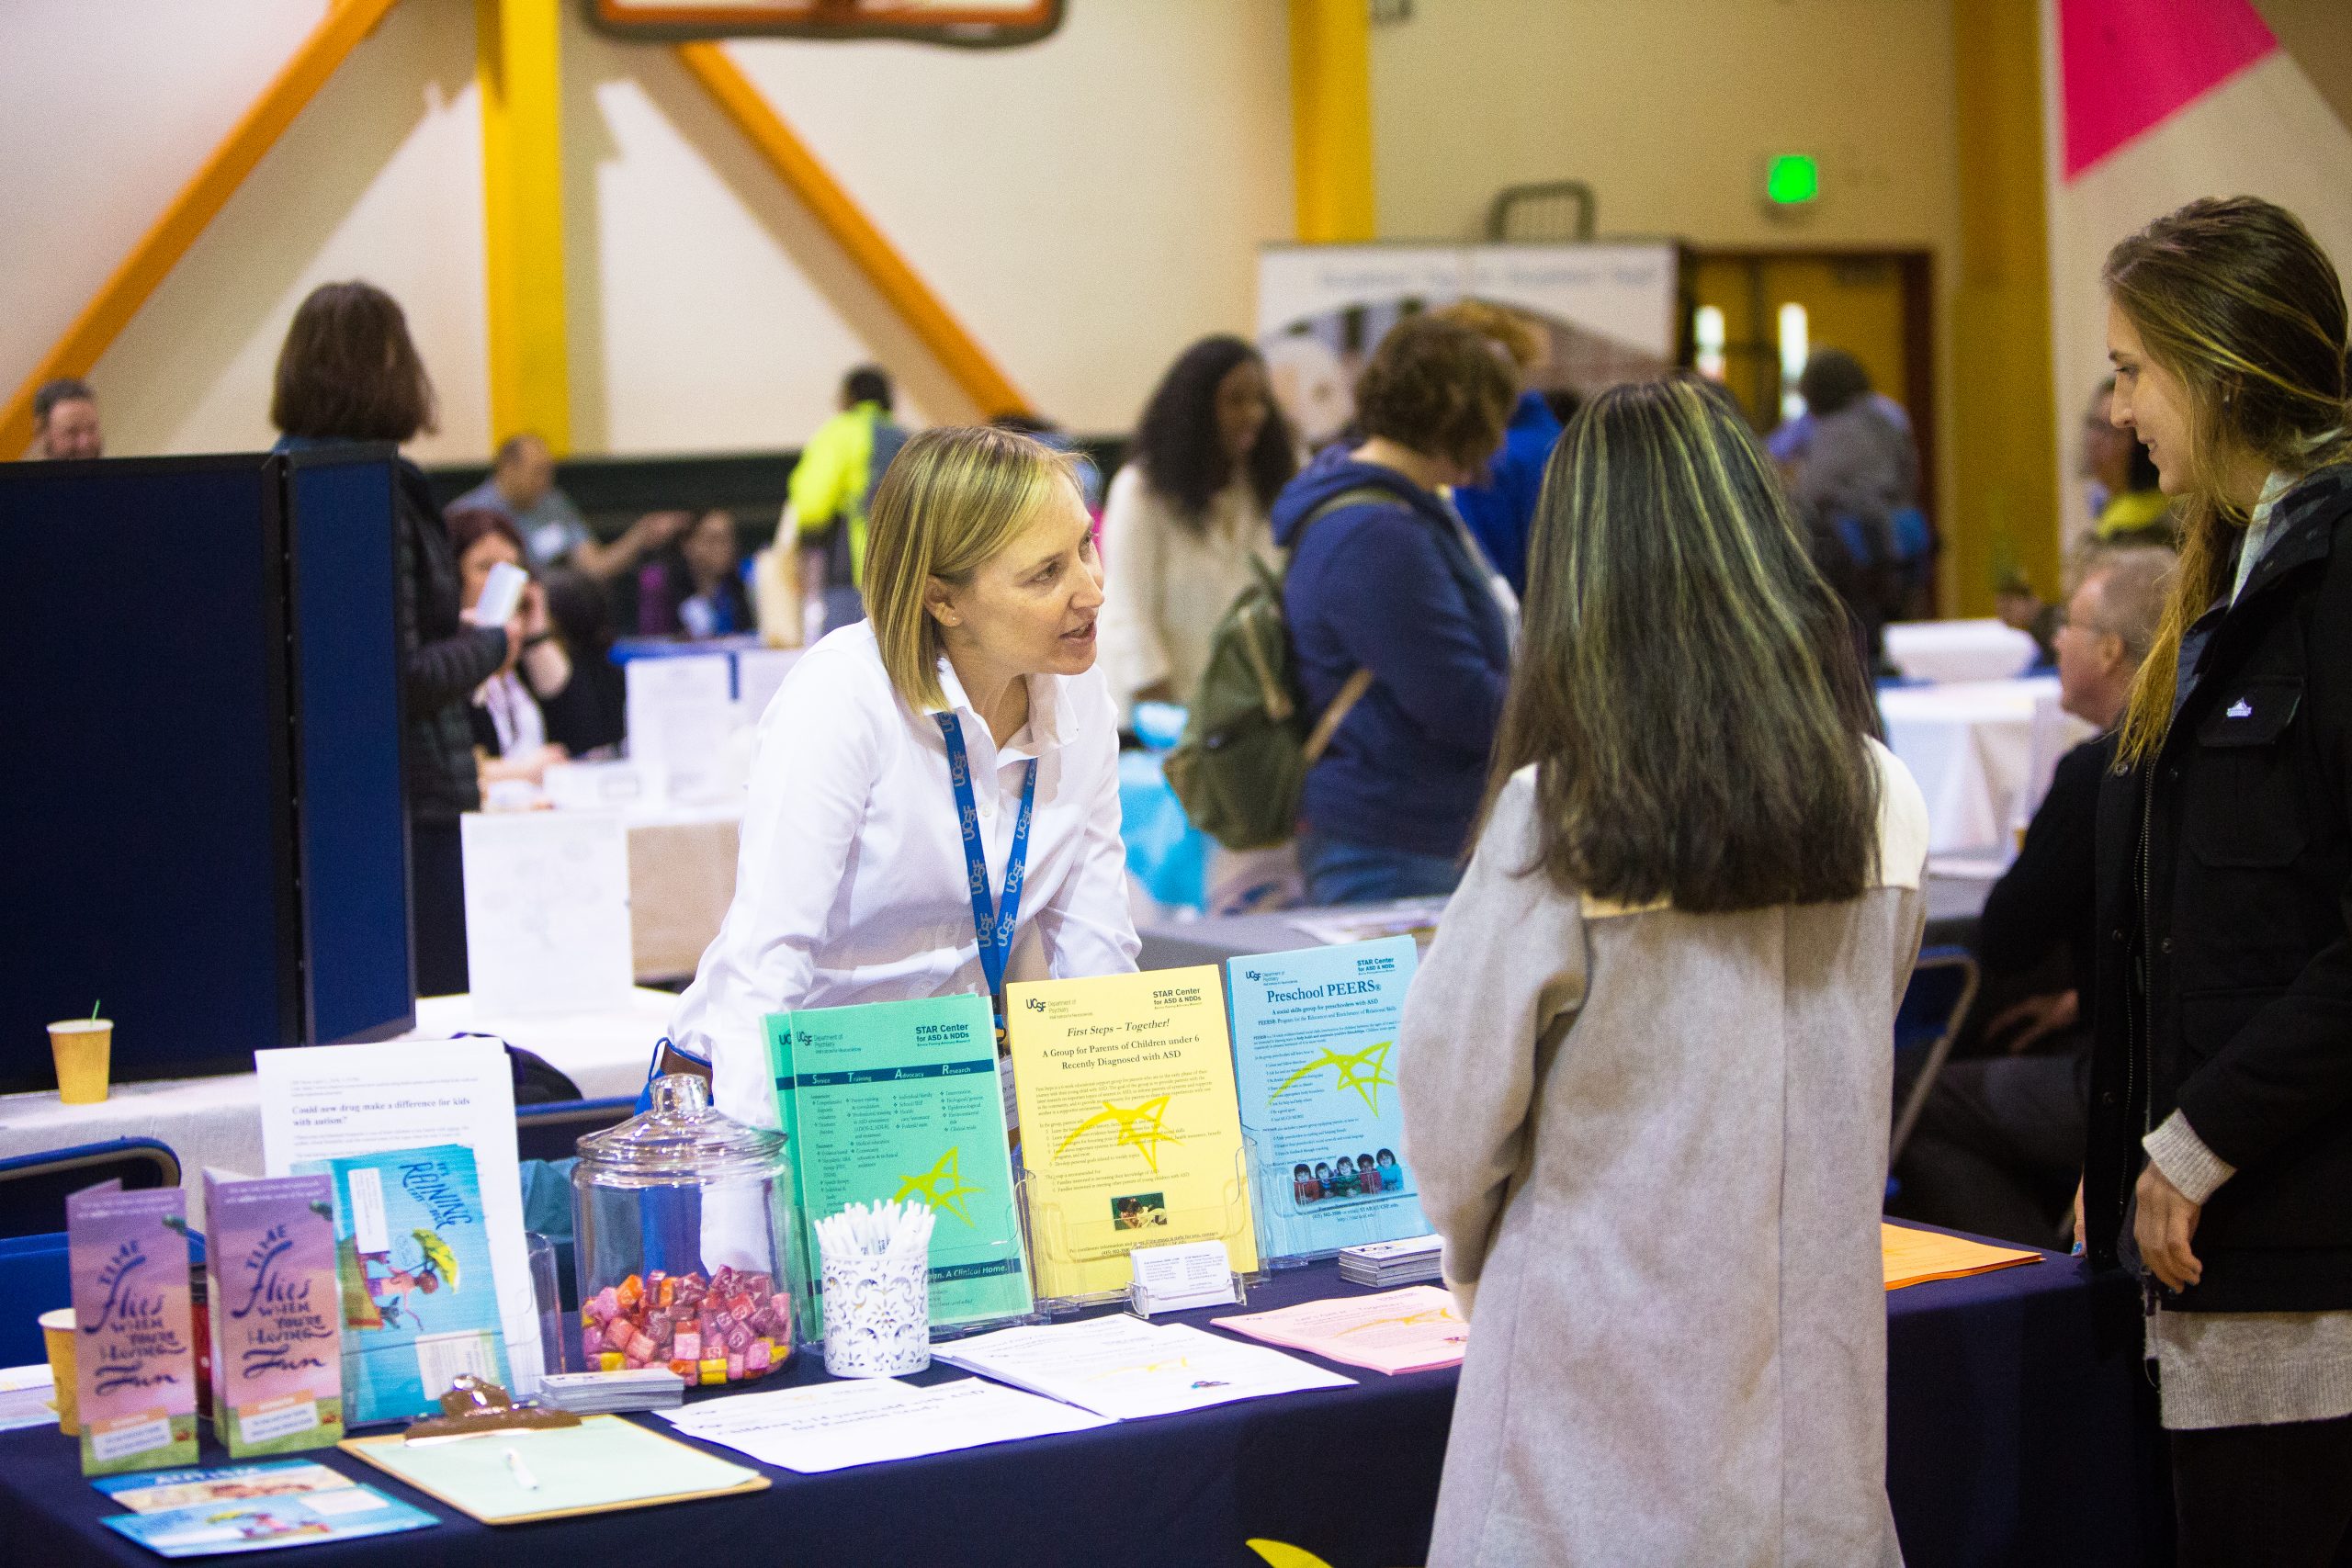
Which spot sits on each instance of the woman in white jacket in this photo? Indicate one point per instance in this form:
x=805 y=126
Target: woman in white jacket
x=1185 y=516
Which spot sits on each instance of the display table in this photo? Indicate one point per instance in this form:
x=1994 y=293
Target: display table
x=681 y=879
x=2011 y=1440
x=217 y=1120
x=1982 y=751
x=1954 y=905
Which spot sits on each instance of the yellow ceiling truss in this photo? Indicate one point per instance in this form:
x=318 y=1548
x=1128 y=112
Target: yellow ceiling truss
x=519 y=65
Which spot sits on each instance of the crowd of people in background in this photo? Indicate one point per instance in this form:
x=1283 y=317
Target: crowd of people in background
x=1618 y=676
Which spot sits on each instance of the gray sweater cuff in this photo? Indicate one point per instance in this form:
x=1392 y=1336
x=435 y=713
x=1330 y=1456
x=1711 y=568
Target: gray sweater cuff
x=2185 y=1160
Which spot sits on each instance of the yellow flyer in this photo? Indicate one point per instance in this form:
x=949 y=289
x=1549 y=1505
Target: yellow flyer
x=1129 y=1129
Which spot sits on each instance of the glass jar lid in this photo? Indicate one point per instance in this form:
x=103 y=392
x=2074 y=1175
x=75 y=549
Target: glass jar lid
x=681 y=1139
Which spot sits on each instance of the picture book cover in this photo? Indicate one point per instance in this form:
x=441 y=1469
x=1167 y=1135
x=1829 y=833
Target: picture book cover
x=412 y=1263
x=1315 y=1061
x=275 y=1310
x=892 y=1100
x=1130 y=1130
x=209 y=1529
x=161 y=1491
x=134 y=1349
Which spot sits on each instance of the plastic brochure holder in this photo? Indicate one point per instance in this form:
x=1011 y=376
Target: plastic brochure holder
x=1274 y=1177
x=1140 y=1300
x=809 y=1286
x=1065 y=1233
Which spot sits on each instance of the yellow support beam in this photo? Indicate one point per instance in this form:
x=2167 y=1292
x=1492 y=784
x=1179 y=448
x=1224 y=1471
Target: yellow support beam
x=2005 y=446
x=519 y=52
x=1330 y=120
x=899 y=284
x=198 y=202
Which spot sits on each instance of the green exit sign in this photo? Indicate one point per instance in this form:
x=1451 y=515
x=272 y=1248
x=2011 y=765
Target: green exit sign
x=1791 y=179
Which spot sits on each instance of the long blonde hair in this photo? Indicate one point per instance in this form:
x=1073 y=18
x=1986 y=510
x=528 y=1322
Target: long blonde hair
x=950 y=501
x=2240 y=304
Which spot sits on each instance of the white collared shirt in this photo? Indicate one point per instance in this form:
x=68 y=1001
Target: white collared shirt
x=850 y=884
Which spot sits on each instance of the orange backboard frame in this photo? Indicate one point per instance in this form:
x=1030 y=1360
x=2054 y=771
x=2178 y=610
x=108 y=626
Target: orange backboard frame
x=964 y=24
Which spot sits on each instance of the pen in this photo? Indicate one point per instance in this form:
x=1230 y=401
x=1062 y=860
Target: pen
x=523 y=1476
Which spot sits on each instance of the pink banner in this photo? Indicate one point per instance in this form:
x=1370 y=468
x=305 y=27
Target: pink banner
x=2129 y=65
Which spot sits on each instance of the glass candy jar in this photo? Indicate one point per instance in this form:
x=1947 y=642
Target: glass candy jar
x=684 y=1221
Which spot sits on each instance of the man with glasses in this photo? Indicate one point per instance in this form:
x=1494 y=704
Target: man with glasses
x=1998 y=1147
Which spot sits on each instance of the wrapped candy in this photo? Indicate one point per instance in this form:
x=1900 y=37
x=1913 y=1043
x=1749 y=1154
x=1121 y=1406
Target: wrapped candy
x=743 y=1330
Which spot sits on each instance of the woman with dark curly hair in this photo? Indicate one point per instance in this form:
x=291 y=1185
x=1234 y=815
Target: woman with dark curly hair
x=1400 y=627
x=1186 y=516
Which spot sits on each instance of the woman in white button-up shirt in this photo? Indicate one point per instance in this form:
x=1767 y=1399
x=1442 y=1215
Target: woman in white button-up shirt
x=851 y=885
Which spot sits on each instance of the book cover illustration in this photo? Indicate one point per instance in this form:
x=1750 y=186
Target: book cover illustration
x=276 y=1306
x=419 y=1305
x=211 y=1530
x=134 y=1349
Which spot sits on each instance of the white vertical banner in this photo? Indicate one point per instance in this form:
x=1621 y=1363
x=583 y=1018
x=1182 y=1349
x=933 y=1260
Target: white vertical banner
x=680 y=711
x=547 y=912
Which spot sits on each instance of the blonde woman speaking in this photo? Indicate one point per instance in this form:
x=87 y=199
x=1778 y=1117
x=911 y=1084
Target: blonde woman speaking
x=934 y=798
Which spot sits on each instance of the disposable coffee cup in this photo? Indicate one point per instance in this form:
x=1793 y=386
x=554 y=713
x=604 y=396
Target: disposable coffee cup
x=82 y=1046
x=57 y=1337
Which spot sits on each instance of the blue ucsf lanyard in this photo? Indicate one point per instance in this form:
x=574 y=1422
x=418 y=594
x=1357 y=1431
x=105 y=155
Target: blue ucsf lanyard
x=993 y=925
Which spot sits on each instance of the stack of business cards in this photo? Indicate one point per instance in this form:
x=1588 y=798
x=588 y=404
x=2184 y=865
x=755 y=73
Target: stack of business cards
x=609 y=1393
x=1386 y=1264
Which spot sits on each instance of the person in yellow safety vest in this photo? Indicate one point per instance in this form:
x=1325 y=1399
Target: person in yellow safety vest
x=831 y=491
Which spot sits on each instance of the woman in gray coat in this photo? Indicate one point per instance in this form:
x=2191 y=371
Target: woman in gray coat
x=1645 y=1063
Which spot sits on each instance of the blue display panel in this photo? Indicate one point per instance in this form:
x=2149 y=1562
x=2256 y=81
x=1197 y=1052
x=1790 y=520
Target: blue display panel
x=359 y=975
x=146 y=795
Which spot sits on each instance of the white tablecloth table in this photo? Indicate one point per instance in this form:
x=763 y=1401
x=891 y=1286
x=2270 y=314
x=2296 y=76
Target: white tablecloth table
x=1974 y=749
x=217 y=1120
x=681 y=879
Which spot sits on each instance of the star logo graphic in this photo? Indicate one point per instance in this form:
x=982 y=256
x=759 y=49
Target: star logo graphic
x=1142 y=1129
x=942 y=1186
x=1363 y=1071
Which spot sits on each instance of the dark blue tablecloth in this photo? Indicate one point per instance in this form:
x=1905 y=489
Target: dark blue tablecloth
x=2011 y=1440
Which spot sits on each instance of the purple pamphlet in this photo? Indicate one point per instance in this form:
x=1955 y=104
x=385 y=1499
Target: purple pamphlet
x=276 y=1314
x=134 y=1354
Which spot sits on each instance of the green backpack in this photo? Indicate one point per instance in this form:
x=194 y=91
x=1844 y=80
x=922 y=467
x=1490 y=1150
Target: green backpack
x=1241 y=766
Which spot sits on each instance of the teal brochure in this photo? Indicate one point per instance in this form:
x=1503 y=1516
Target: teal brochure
x=412 y=1262
x=209 y=1530
x=900 y=1100
x=1315 y=1060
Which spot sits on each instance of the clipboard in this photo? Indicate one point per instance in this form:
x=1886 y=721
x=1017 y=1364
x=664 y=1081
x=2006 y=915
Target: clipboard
x=604 y=1465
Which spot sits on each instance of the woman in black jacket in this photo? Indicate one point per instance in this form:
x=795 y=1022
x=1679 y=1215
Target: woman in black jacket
x=2223 y=1009
x=348 y=372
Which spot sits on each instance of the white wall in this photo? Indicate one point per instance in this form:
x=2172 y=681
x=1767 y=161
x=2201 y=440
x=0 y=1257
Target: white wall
x=1669 y=108
x=2265 y=132
x=1086 y=207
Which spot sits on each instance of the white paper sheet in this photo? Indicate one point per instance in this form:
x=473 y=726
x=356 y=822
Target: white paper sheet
x=758 y=672
x=1123 y=1367
x=834 y=1426
x=680 y=711
x=317 y=1102
x=547 y=912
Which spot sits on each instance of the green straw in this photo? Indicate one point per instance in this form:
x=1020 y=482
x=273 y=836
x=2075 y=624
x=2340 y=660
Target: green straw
x=93 y=1009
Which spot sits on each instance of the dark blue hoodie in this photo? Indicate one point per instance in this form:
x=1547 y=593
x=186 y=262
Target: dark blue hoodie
x=1390 y=586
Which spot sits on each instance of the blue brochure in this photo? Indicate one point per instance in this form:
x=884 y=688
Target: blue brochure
x=1314 y=1059
x=207 y=1530
x=412 y=1256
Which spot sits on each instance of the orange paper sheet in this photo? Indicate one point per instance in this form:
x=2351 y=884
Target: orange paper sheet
x=1915 y=1256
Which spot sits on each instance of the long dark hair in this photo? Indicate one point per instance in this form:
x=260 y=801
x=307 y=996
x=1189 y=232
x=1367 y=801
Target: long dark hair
x=347 y=369
x=1177 y=442
x=2236 y=300
x=1687 y=690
